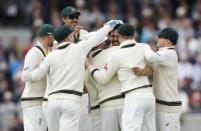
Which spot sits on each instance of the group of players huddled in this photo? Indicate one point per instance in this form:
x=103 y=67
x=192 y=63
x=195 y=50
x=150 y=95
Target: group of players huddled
x=111 y=67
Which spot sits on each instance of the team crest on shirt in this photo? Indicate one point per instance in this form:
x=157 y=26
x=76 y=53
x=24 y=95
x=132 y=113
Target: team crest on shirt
x=105 y=66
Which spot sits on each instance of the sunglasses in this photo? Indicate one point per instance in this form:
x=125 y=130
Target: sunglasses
x=73 y=17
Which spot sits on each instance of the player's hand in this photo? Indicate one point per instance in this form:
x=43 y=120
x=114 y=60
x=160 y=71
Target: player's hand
x=85 y=90
x=77 y=30
x=147 y=71
x=88 y=61
x=137 y=71
x=113 y=23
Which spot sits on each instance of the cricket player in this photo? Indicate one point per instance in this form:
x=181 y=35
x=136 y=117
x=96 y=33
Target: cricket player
x=49 y=82
x=65 y=66
x=110 y=97
x=139 y=103
x=70 y=17
x=164 y=66
x=33 y=93
x=90 y=84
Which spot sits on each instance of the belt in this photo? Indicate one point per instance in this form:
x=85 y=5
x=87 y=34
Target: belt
x=112 y=98
x=67 y=92
x=95 y=107
x=141 y=87
x=31 y=98
x=175 y=103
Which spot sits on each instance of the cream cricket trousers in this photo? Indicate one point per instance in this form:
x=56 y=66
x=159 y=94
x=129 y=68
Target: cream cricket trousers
x=84 y=121
x=139 y=112
x=34 y=119
x=95 y=120
x=63 y=115
x=44 y=109
x=166 y=121
x=111 y=115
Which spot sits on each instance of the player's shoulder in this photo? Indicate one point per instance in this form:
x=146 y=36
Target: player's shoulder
x=111 y=49
x=114 y=51
x=82 y=30
x=115 y=48
x=54 y=53
x=168 y=53
x=33 y=51
x=143 y=46
x=82 y=33
x=105 y=52
x=33 y=54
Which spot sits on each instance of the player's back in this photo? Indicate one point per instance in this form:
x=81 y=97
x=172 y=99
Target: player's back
x=131 y=55
x=67 y=68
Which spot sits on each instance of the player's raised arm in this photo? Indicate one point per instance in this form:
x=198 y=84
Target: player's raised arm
x=88 y=43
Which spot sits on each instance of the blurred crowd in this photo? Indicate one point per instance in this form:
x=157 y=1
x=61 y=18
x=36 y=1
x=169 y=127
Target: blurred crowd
x=148 y=17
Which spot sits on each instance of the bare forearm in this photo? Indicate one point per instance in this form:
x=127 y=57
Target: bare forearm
x=146 y=71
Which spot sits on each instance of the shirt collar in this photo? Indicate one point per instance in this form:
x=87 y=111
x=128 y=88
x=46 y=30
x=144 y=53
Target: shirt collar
x=45 y=50
x=95 y=52
x=127 y=42
x=166 y=48
x=62 y=44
